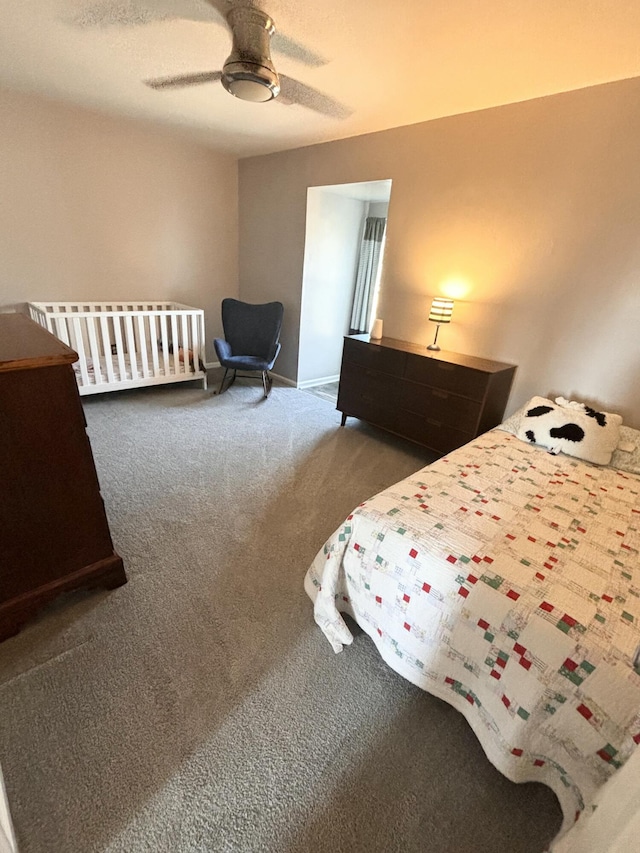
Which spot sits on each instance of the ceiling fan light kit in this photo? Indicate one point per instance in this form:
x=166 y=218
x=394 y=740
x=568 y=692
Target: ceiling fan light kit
x=250 y=82
x=249 y=73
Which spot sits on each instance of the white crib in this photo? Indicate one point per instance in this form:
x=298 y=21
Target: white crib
x=128 y=344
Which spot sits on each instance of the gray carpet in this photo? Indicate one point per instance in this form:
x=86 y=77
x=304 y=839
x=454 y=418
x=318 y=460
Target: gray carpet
x=199 y=708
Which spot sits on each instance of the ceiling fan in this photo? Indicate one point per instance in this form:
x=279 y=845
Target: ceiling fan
x=249 y=73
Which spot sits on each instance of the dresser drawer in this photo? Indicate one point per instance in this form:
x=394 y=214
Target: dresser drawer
x=369 y=395
x=378 y=358
x=431 y=433
x=446 y=376
x=450 y=409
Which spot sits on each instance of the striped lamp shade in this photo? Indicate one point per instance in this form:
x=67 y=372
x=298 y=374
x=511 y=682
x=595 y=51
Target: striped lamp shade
x=441 y=310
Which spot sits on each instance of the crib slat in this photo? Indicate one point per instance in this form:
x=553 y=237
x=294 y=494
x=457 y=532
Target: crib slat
x=131 y=346
x=93 y=346
x=195 y=343
x=185 y=343
x=142 y=344
x=117 y=334
x=61 y=329
x=77 y=344
x=153 y=341
x=106 y=347
x=202 y=347
x=176 y=344
x=164 y=337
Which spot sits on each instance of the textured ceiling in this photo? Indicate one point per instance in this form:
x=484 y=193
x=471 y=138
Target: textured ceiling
x=387 y=63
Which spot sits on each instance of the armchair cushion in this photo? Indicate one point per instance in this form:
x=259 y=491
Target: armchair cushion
x=246 y=362
x=223 y=350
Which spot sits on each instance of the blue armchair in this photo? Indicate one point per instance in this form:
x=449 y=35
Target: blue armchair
x=251 y=340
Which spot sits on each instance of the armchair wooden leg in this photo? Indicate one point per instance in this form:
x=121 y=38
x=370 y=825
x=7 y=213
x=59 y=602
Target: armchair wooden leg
x=267 y=383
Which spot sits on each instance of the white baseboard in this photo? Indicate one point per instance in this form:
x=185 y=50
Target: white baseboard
x=211 y=365
x=312 y=383
x=284 y=380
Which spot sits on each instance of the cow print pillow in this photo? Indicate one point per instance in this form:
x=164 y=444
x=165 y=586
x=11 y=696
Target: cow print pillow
x=571 y=428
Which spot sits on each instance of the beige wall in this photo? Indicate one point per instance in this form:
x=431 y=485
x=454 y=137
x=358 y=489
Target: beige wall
x=535 y=205
x=93 y=208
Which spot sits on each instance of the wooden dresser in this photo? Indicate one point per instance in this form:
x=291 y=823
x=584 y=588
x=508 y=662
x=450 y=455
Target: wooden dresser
x=54 y=534
x=438 y=399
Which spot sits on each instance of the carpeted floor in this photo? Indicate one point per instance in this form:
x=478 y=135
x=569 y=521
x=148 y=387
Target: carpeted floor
x=199 y=708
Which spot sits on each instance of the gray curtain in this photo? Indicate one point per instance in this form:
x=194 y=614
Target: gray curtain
x=367 y=274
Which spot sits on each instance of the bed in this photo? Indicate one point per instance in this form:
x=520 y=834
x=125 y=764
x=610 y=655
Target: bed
x=506 y=581
x=128 y=344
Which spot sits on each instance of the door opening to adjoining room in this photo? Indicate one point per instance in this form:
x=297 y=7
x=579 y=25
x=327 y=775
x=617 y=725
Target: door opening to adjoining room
x=343 y=258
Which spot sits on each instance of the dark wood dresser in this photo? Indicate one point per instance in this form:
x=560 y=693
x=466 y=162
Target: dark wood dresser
x=54 y=534
x=440 y=400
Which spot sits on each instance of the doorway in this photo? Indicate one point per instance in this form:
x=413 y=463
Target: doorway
x=342 y=273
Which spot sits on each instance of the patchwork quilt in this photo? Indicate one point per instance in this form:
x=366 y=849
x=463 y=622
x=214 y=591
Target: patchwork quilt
x=506 y=581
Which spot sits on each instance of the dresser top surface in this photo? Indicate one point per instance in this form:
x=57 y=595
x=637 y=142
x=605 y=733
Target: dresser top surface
x=25 y=345
x=484 y=364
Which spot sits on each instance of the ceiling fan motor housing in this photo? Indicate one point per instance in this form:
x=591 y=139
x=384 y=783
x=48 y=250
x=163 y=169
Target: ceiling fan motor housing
x=249 y=73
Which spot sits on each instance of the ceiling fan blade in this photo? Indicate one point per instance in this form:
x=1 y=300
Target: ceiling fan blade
x=183 y=80
x=294 y=92
x=136 y=13
x=294 y=50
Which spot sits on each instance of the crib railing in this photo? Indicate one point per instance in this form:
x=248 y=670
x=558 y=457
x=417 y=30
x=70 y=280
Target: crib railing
x=128 y=344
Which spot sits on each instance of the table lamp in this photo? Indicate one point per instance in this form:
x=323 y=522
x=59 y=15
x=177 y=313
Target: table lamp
x=441 y=311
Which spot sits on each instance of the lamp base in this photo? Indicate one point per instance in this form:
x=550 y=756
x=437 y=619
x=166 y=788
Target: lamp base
x=434 y=345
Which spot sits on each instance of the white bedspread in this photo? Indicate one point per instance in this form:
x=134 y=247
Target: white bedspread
x=506 y=581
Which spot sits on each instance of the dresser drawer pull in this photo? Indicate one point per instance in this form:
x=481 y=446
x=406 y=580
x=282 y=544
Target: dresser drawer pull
x=434 y=423
x=444 y=395
x=444 y=366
